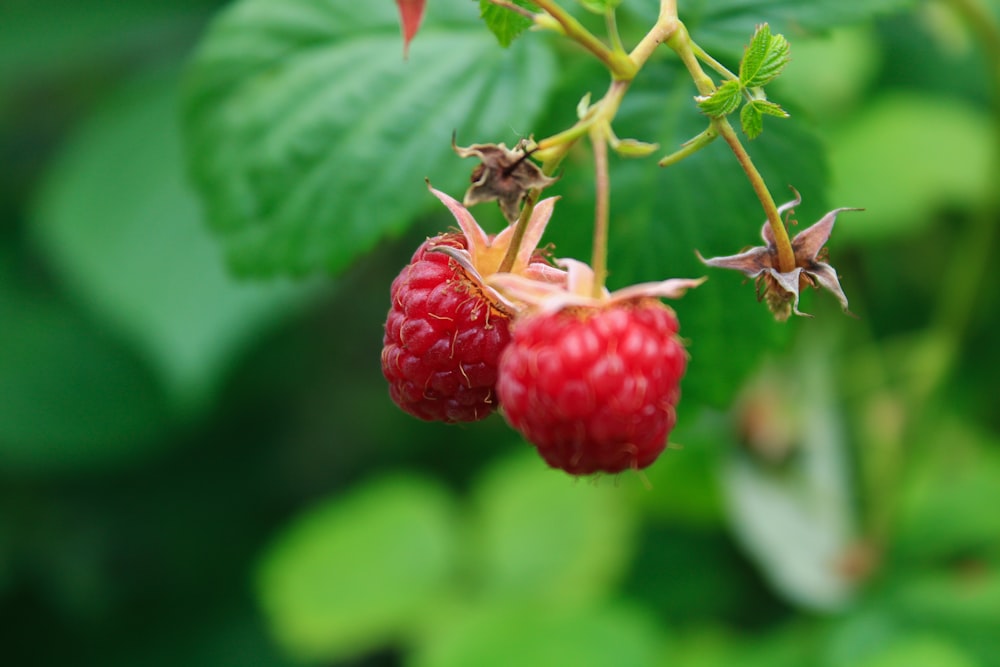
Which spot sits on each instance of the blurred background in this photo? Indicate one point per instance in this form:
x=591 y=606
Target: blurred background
x=199 y=462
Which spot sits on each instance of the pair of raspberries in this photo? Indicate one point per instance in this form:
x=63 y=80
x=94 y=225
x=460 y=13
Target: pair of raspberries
x=592 y=386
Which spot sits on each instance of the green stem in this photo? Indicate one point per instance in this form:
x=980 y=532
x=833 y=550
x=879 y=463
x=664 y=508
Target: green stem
x=662 y=30
x=552 y=149
x=786 y=256
x=681 y=43
x=520 y=227
x=691 y=147
x=611 y=21
x=617 y=63
x=602 y=211
x=703 y=56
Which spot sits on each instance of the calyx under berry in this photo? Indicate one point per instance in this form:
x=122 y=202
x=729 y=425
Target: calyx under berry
x=483 y=254
x=578 y=290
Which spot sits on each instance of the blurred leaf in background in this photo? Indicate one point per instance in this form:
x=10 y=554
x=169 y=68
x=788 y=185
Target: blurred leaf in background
x=117 y=222
x=73 y=397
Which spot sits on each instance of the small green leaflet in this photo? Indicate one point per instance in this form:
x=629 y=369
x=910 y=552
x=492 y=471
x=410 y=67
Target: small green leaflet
x=505 y=24
x=722 y=102
x=752 y=116
x=764 y=58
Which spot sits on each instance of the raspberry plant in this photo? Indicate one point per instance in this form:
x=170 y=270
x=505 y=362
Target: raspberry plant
x=587 y=379
x=826 y=479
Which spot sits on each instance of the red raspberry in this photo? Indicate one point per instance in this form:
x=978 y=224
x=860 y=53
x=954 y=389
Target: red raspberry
x=593 y=387
x=443 y=338
x=446 y=329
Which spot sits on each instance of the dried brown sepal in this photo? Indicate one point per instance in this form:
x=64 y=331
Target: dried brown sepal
x=503 y=175
x=780 y=290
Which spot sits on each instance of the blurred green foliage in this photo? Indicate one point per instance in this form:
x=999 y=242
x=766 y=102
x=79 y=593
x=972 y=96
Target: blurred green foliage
x=200 y=468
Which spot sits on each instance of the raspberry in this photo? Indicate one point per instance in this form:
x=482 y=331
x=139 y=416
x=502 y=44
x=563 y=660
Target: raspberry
x=446 y=329
x=594 y=387
x=443 y=338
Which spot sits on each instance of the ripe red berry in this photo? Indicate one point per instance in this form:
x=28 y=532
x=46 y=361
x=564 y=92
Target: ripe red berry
x=594 y=387
x=443 y=338
x=446 y=329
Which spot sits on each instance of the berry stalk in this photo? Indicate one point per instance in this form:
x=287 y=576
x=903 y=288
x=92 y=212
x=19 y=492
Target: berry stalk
x=602 y=208
x=786 y=256
x=520 y=227
x=682 y=45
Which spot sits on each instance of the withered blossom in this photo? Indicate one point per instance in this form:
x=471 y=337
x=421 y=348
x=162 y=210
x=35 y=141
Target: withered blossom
x=484 y=253
x=503 y=175
x=781 y=289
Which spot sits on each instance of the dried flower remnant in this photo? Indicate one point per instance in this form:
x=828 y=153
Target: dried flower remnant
x=504 y=175
x=781 y=288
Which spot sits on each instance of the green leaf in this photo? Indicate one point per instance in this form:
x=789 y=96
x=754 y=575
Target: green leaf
x=770 y=108
x=359 y=571
x=723 y=101
x=87 y=31
x=920 y=650
x=73 y=397
x=309 y=138
x=880 y=162
x=540 y=536
x=951 y=476
x=498 y=636
x=503 y=23
x=876 y=638
x=118 y=222
x=953 y=600
x=722 y=646
x=831 y=74
x=764 y=58
x=752 y=116
x=751 y=121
